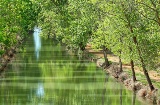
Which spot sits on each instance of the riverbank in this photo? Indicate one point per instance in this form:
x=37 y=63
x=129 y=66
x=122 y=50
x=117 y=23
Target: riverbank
x=140 y=87
x=9 y=54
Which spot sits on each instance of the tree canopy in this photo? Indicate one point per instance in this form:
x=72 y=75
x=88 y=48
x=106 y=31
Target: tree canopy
x=128 y=28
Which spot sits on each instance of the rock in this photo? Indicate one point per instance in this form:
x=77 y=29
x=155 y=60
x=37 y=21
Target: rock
x=18 y=38
x=152 y=95
x=3 y=60
x=130 y=84
x=114 y=70
x=142 y=92
x=138 y=86
x=123 y=76
x=127 y=81
x=4 y=65
x=100 y=62
x=5 y=57
x=10 y=53
x=158 y=101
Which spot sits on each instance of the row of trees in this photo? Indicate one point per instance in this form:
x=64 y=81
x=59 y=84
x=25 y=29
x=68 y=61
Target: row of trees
x=17 y=18
x=129 y=28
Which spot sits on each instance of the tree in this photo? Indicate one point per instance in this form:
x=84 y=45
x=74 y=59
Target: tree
x=128 y=28
x=138 y=28
x=17 y=18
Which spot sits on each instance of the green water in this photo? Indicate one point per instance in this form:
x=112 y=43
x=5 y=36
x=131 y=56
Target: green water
x=58 y=78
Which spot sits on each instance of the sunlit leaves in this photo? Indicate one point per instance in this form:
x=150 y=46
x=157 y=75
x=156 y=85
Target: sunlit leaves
x=113 y=26
x=105 y=23
x=17 y=18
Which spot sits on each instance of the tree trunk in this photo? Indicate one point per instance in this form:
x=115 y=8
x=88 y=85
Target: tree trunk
x=132 y=67
x=82 y=47
x=139 y=53
x=143 y=65
x=50 y=31
x=133 y=71
x=142 y=61
x=120 y=64
x=120 y=52
x=105 y=56
x=147 y=75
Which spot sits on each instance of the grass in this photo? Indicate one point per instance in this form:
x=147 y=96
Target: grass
x=140 y=77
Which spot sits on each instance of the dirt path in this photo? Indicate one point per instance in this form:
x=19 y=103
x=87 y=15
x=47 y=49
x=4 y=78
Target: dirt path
x=153 y=74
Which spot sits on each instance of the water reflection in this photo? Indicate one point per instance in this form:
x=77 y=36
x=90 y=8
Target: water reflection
x=40 y=90
x=37 y=41
x=121 y=98
x=59 y=79
x=133 y=98
x=104 y=90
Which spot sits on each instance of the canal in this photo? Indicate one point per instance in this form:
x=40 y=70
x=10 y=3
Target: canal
x=58 y=78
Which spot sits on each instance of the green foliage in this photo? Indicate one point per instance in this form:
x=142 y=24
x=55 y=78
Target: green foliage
x=71 y=22
x=112 y=24
x=17 y=18
x=129 y=28
x=75 y=23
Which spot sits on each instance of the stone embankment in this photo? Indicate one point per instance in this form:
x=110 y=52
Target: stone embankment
x=139 y=88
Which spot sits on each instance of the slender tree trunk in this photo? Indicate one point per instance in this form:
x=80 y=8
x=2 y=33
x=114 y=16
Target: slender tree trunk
x=147 y=75
x=139 y=53
x=133 y=71
x=120 y=52
x=49 y=31
x=82 y=47
x=143 y=65
x=132 y=68
x=105 y=56
x=142 y=62
x=120 y=64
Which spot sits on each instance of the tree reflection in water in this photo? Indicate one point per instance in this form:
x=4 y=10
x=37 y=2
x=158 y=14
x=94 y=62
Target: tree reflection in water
x=40 y=90
x=37 y=41
x=104 y=90
x=133 y=98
